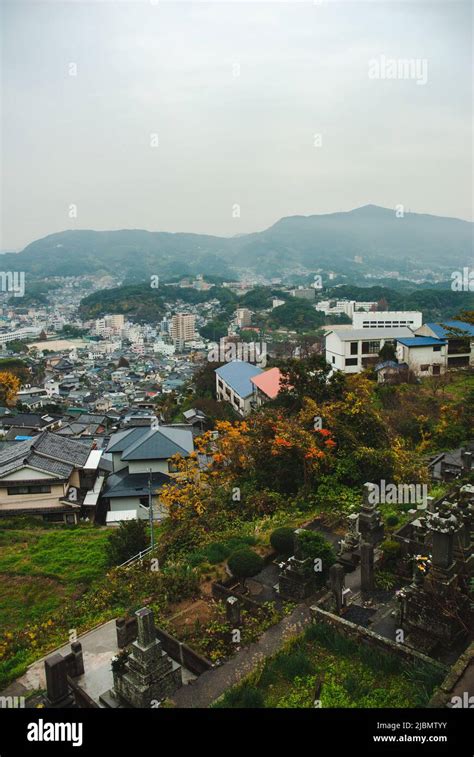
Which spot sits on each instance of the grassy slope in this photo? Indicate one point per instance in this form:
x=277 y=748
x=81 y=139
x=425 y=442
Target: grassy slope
x=40 y=568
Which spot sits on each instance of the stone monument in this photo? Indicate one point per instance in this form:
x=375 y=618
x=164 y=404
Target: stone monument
x=297 y=578
x=147 y=674
x=370 y=519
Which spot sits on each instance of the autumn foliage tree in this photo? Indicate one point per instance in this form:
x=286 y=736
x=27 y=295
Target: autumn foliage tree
x=9 y=387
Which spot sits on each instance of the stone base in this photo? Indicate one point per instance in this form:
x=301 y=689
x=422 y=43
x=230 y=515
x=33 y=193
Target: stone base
x=141 y=696
x=296 y=587
x=109 y=700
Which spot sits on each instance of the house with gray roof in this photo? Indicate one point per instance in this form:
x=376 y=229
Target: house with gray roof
x=46 y=475
x=140 y=464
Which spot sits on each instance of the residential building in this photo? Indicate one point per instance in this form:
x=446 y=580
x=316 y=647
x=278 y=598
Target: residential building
x=380 y=319
x=233 y=385
x=460 y=339
x=46 y=475
x=243 y=317
x=266 y=385
x=304 y=293
x=424 y=355
x=351 y=350
x=183 y=329
x=141 y=463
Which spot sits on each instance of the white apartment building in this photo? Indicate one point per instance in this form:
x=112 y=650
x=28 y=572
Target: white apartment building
x=109 y=324
x=304 y=293
x=381 y=319
x=343 y=307
x=28 y=332
x=183 y=328
x=351 y=350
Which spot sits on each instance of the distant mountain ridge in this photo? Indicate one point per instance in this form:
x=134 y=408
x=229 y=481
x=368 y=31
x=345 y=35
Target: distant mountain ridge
x=330 y=241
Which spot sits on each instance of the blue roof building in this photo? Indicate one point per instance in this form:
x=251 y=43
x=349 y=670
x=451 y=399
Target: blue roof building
x=233 y=384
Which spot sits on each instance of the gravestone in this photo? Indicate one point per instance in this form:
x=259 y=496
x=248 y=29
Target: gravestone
x=371 y=527
x=57 y=689
x=336 y=582
x=148 y=674
x=435 y=610
x=366 y=570
x=297 y=578
x=232 y=608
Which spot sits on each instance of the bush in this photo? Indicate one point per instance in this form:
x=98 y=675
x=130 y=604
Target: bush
x=244 y=563
x=392 y=520
x=244 y=697
x=315 y=546
x=282 y=540
x=390 y=550
x=127 y=540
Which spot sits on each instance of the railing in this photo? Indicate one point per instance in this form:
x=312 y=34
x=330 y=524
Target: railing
x=137 y=557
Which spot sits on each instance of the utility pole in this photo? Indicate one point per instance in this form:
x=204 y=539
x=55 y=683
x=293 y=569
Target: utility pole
x=150 y=511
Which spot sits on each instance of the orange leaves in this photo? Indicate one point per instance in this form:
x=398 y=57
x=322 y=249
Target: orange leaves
x=9 y=387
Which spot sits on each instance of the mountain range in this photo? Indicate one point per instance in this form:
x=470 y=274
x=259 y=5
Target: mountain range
x=293 y=244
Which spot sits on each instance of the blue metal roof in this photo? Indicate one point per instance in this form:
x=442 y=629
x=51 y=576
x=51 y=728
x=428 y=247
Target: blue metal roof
x=421 y=341
x=440 y=330
x=237 y=375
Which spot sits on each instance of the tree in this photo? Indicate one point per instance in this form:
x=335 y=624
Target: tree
x=282 y=540
x=308 y=378
x=9 y=387
x=244 y=563
x=388 y=352
x=128 y=540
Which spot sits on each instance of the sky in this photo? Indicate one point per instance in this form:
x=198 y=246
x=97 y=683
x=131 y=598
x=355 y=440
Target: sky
x=222 y=117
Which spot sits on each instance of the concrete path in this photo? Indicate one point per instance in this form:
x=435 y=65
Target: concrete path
x=98 y=647
x=212 y=684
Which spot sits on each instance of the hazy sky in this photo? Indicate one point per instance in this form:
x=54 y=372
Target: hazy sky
x=236 y=93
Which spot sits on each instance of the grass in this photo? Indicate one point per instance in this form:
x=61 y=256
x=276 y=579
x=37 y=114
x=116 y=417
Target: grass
x=42 y=567
x=323 y=668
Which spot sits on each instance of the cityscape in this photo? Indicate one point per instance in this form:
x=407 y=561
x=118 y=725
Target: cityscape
x=236 y=446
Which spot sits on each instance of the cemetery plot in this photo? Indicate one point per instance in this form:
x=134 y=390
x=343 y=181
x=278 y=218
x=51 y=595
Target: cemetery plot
x=324 y=670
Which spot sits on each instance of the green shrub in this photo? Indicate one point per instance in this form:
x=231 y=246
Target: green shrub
x=282 y=541
x=244 y=563
x=127 y=540
x=392 y=520
x=314 y=546
x=391 y=552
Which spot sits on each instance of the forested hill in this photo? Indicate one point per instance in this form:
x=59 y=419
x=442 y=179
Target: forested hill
x=376 y=235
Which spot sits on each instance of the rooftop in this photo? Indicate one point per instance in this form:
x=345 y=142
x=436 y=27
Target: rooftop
x=268 y=382
x=347 y=335
x=237 y=375
x=422 y=341
x=444 y=329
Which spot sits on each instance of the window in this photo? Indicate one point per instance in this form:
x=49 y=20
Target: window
x=354 y=348
x=424 y=367
x=34 y=489
x=351 y=361
x=333 y=359
x=437 y=348
x=370 y=348
x=436 y=370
